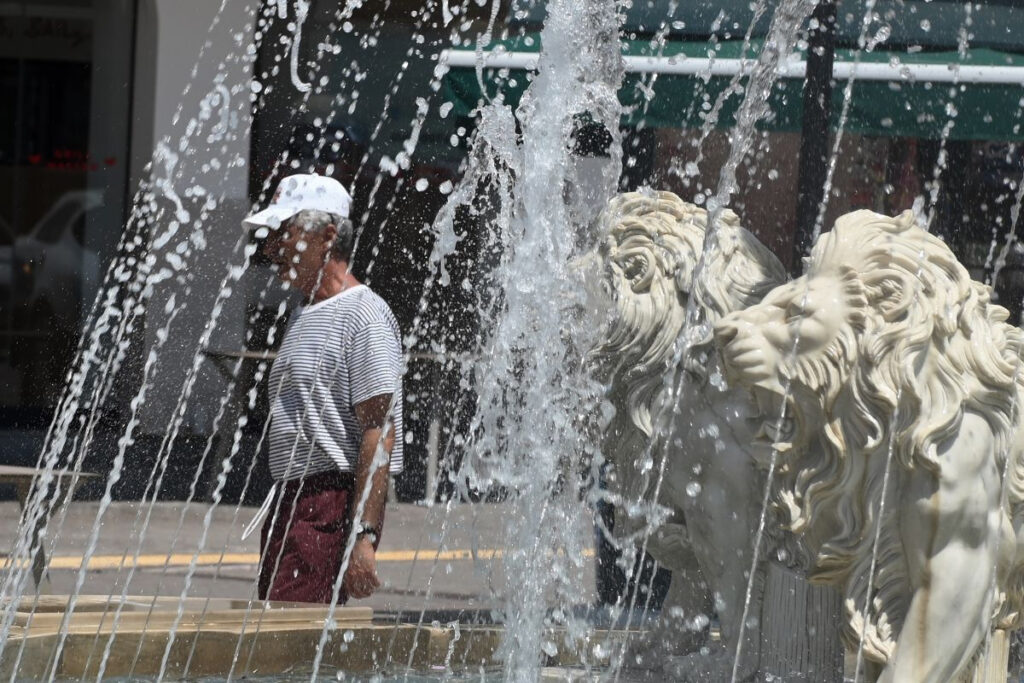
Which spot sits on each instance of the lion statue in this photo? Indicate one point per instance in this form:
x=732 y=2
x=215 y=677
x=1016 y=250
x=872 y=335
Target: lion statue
x=652 y=245
x=889 y=389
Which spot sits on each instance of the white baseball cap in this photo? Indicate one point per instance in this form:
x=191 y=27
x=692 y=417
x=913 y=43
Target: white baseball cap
x=301 y=192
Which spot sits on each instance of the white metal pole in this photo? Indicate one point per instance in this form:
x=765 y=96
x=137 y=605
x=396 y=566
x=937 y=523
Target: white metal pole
x=702 y=66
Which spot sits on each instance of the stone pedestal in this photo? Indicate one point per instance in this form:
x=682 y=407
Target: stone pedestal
x=993 y=664
x=800 y=629
x=800 y=635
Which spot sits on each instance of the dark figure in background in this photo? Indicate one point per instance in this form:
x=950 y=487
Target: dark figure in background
x=613 y=584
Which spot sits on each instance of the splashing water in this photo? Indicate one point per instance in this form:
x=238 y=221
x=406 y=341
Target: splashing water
x=532 y=385
x=526 y=439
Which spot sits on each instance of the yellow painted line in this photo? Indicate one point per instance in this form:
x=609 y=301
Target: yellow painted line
x=100 y=562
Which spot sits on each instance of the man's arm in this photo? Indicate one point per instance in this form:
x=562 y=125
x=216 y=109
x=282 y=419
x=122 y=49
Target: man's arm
x=378 y=433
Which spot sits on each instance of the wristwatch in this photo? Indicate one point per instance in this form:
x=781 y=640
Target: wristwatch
x=368 y=530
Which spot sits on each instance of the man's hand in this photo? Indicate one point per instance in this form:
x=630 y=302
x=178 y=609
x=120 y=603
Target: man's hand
x=361 y=576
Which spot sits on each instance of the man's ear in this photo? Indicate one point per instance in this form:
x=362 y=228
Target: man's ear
x=330 y=234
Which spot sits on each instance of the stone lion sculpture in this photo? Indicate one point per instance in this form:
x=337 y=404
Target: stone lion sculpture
x=886 y=368
x=653 y=242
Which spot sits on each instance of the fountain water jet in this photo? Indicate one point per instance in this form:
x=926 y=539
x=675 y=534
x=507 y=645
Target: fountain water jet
x=537 y=220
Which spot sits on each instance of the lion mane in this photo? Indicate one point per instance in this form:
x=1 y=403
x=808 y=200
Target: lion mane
x=651 y=247
x=908 y=299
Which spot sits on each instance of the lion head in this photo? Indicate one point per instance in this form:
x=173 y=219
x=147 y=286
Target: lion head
x=651 y=247
x=884 y=343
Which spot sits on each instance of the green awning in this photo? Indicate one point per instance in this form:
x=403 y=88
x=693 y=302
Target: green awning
x=903 y=108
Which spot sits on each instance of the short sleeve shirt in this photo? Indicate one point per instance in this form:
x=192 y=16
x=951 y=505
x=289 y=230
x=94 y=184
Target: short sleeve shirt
x=336 y=353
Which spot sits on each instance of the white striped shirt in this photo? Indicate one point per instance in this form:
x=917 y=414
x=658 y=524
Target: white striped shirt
x=336 y=353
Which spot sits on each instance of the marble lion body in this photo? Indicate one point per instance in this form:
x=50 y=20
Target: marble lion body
x=886 y=368
x=652 y=246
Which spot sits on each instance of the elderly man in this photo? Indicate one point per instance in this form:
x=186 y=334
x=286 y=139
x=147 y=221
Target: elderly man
x=335 y=402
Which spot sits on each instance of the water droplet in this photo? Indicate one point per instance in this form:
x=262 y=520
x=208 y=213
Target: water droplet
x=693 y=489
x=422 y=184
x=926 y=25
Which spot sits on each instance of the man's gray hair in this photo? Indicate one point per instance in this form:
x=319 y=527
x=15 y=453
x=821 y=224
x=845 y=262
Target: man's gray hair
x=312 y=220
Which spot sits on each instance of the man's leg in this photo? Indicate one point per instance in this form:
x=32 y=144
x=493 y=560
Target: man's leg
x=311 y=547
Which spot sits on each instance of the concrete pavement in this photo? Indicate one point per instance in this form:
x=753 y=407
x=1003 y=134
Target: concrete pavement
x=419 y=569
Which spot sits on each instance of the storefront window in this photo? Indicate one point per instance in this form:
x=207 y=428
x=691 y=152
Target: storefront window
x=54 y=181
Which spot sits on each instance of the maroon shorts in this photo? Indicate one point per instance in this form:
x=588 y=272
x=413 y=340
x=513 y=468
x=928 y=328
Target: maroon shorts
x=311 y=547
